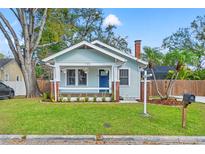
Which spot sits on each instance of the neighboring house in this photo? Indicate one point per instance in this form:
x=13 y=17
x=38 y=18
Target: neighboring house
x=11 y=74
x=161 y=72
x=96 y=68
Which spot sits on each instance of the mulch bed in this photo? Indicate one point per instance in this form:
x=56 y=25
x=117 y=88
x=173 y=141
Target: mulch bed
x=165 y=102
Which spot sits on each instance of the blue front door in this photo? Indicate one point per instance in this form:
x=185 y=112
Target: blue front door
x=103 y=80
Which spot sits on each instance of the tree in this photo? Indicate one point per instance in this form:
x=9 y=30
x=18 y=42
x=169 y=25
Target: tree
x=75 y=25
x=154 y=57
x=1 y=56
x=180 y=59
x=31 y=32
x=191 y=38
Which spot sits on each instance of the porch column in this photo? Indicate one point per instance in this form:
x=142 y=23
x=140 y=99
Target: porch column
x=116 y=84
x=56 y=81
x=52 y=94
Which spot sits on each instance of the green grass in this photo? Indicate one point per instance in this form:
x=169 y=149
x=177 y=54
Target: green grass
x=29 y=116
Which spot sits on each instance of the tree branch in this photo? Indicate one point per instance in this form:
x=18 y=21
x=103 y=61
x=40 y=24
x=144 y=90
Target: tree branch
x=16 y=14
x=10 y=42
x=47 y=44
x=6 y=22
x=38 y=38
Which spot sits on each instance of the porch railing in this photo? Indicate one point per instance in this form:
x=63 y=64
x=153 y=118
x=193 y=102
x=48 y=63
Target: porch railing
x=84 y=88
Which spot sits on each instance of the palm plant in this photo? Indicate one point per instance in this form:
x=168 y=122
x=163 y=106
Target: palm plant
x=179 y=59
x=154 y=57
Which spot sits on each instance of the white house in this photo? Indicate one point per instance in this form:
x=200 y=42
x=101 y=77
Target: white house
x=96 y=68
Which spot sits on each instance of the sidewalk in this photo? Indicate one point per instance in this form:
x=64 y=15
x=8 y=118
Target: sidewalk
x=102 y=139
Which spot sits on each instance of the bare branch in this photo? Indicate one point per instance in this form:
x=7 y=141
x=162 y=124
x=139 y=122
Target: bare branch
x=15 y=14
x=31 y=23
x=38 y=38
x=10 y=43
x=48 y=44
x=6 y=22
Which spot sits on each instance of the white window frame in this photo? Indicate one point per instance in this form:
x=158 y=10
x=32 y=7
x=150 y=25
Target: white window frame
x=86 y=77
x=125 y=68
x=76 y=76
x=66 y=75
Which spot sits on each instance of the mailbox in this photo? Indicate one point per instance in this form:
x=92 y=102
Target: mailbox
x=188 y=99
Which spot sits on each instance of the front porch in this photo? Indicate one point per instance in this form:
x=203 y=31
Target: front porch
x=85 y=80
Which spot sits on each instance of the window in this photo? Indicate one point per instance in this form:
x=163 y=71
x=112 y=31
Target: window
x=17 y=78
x=71 y=77
x=6 y=77
x=124 y=77
x=82 y=77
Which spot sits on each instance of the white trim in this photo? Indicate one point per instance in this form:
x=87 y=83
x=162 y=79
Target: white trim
x=119 y=52
x=125 y=68
x=87 y=44
x=85 y=64
x=83 y=88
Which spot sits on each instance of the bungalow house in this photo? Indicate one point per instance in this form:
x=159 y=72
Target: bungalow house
x=96 y=68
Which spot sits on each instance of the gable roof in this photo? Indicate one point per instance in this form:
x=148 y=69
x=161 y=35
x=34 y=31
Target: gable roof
x=119 y=52
x=5 y=61
x=87 y=44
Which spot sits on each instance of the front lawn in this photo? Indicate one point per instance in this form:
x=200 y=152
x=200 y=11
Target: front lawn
x=29 y=116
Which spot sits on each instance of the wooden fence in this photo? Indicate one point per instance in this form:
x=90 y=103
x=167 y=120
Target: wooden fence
x=44 y=85
x=196 y=87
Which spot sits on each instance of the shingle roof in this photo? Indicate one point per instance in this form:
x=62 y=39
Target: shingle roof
x=4 y=61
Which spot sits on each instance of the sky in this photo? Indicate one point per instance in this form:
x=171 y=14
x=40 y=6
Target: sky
x=149 y=25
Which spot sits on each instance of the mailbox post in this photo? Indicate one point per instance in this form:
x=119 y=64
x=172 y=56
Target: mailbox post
x=187 y=99
x=145 y=91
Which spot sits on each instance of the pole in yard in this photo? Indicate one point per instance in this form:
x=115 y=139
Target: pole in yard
x=184 y=111
x=145 y=92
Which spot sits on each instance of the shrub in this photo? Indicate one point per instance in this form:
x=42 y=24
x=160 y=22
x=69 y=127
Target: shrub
x=46 y=95
x=68 y=98
x=95 y=99
x=103 y=99
x=86 y=99
x=78 y=99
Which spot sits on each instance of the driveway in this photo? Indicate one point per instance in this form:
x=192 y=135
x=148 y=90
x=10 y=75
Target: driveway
x=200 y=99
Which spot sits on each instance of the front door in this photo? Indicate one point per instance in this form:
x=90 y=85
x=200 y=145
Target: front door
x=103 y=79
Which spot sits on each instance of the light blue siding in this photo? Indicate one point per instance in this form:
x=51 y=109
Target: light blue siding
x=84 y=56
x=133 y=89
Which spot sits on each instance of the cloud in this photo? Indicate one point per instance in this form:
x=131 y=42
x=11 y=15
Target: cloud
x=112 y=20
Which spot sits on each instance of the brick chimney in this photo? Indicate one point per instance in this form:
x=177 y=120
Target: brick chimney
x=137 y=48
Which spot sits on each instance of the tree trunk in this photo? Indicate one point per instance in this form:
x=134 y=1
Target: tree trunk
x=171 y=86
x=156 y=85
x=30 y=80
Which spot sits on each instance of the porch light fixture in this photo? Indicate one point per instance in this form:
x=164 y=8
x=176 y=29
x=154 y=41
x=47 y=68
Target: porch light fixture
x=85 y=70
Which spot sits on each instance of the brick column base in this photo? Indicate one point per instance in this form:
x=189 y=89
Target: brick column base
x=57 y=90
x=51 y=89
x=117 y=89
